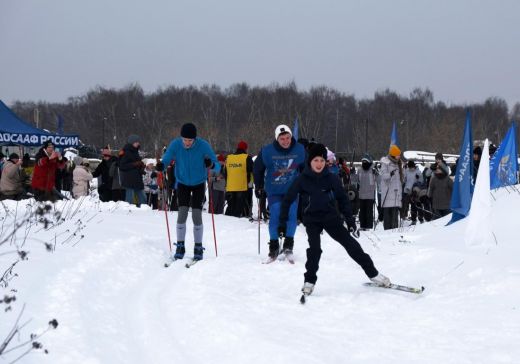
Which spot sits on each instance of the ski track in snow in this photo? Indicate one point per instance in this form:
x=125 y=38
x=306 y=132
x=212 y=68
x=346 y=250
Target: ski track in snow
x=116 y=303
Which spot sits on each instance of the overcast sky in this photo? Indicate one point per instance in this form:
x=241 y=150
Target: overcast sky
x=464 y=51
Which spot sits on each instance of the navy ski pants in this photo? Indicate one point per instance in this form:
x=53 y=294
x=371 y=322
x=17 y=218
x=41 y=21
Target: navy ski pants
x=338 y=232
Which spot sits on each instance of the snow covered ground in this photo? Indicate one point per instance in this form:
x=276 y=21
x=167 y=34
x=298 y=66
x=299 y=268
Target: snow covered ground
x=116 y=303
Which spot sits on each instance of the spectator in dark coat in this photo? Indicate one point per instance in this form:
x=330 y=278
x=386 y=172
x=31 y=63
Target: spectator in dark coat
x=103 y=171
x=131 y=168
x=118 y=192
x=440 y=190
x=477 y=154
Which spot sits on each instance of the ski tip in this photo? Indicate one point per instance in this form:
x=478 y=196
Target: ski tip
x=418 y=290
x=302 y=299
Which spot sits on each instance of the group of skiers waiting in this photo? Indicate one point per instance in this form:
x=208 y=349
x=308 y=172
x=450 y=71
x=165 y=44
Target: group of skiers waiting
x=294 y=182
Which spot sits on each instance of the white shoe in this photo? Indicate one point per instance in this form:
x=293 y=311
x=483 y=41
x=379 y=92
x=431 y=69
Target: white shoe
x=381 y=280
x=307 y=288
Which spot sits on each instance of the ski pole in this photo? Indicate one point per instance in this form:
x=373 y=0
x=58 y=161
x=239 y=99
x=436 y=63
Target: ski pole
x=258 y=203
x=212 y=210
x=165 y=208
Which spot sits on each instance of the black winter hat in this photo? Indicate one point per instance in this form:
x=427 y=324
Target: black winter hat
x=477 y=150
x=189 y=131
x=317 y=150
x=439 y=156
x=47 y=143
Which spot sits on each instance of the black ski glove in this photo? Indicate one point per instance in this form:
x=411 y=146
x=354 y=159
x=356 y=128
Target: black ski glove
x=208 y=163
x=259 y=193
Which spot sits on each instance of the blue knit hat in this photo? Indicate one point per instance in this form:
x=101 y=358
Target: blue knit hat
x=133 y=139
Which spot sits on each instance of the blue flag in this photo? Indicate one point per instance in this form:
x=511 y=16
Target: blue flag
x=503 y=167
x=463 y=184
x=59 y=125
x=295 y=129
x=393 y=136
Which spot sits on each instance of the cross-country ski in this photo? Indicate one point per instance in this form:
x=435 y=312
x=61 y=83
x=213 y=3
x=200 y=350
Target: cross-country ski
x=396 y=287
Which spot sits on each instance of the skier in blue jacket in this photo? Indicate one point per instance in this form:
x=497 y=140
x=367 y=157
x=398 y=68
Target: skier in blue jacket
x=275 y=168
x=192 y=156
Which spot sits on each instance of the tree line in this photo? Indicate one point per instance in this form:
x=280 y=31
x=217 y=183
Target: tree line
x=347 y=125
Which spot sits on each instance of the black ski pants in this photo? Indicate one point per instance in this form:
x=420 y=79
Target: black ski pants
x=366 y=214
x=338 y=232
x=237 y=204
x=391 y=217
x=219 y=198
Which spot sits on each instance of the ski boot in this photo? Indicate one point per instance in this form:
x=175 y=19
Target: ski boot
x=198 y=251
x=381 y=280
x=287 y=250
x=307 y=288
x=274 y=250
x=179 y=252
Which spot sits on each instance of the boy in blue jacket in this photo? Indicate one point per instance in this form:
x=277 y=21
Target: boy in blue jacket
x=193 y=156
x=325 y=207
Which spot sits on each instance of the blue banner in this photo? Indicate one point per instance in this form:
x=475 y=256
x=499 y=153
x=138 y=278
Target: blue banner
x=503 y=166
x=463 y=183
x=59 y=125
x=393 y=136
x=295 y=129
x=37 y=140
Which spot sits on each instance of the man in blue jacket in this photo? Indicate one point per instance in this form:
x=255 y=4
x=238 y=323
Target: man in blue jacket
x=193 y=156
x=275 y=168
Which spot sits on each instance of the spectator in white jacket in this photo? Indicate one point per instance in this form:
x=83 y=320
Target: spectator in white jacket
x=81 y=178
x=391 y=187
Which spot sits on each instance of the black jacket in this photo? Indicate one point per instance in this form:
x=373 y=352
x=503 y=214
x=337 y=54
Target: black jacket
x=131 y=167
x=103 y=170
x=322 y=197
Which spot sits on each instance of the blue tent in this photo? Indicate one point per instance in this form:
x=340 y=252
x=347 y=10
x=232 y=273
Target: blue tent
x=15 y=131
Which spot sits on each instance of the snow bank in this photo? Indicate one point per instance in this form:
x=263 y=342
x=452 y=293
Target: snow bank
x=116 y=303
